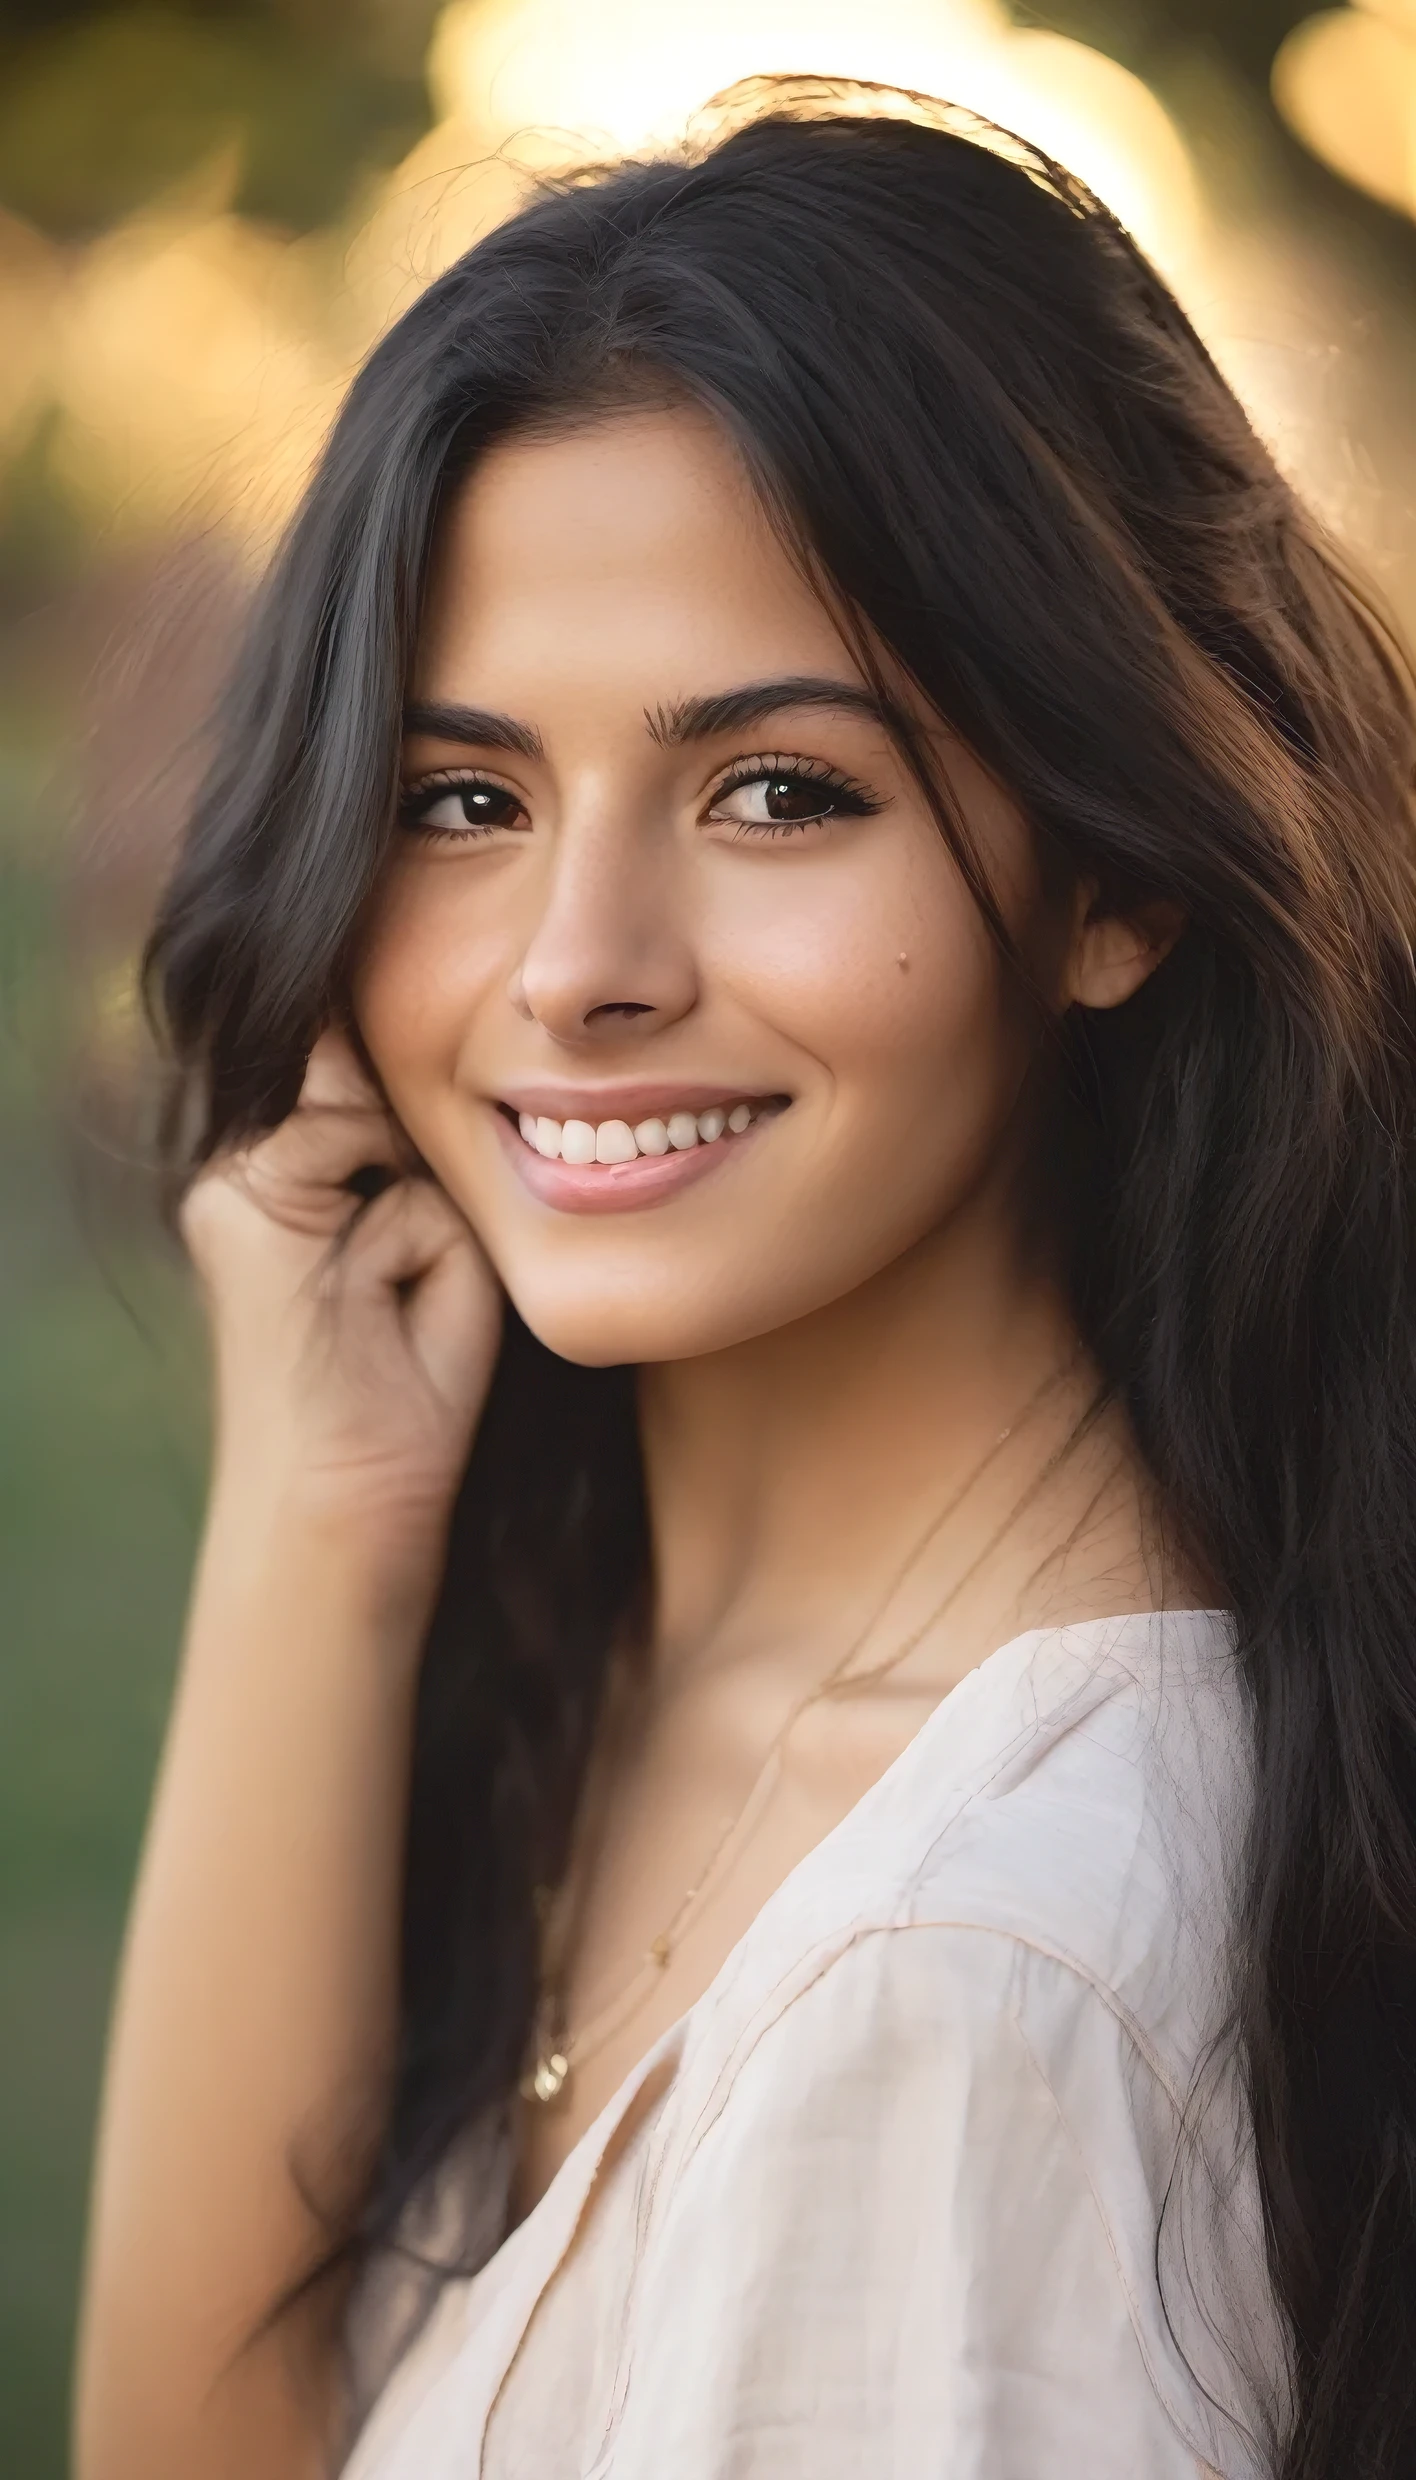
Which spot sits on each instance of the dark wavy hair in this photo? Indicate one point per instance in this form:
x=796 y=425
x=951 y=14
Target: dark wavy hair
x=983 y=425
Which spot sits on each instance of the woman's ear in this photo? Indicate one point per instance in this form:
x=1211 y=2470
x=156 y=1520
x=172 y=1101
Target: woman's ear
x=1112 y=953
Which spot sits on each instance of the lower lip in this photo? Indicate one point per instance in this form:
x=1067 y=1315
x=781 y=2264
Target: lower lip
x=616 y=1188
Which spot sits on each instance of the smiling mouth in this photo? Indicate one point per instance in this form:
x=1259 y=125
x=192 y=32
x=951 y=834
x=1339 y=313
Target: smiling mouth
x=615 y=1166
x=611 y=1142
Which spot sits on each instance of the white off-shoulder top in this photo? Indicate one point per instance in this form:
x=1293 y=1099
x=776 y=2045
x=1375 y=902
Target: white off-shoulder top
x=884 y=2204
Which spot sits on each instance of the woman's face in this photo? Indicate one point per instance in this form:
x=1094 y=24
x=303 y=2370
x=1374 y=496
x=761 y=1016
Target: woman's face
x=672 y=980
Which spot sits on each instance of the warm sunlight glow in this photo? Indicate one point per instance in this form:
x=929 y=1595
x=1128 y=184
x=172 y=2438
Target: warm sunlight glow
x=192 y=357
x=1346 y=82
x=633 y=73
x=191 y=375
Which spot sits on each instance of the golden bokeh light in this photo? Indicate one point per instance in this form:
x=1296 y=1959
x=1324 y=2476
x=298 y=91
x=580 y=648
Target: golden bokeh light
x=633 y=74
x=191 y=373
x=193 y=358
x=638 y=75
x=1345 y=81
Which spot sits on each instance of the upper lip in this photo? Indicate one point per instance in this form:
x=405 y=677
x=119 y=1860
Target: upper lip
x=597 y=1103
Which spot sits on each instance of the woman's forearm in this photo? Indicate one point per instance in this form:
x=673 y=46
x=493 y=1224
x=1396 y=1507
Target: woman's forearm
x=257 y=2012
x=257 y=2004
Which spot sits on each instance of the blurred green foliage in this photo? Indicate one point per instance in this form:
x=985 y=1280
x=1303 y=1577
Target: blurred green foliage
x=103 y=108
x=100 y=1483
x=1245 y=33
x=45 y=544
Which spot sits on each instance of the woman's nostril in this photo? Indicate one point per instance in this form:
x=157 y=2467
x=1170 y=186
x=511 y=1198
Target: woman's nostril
x=620 y=1007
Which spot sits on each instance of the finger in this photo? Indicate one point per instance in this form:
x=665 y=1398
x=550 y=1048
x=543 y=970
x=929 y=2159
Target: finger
x=414 y=1238
x=339 y=1094
x=335 y=1077
x=340 y=1126
x=340 y=1081
x=399 y=1234
x=454 y=1320
x=309 y=1165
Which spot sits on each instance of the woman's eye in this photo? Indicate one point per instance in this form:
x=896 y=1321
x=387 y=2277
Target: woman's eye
x=473 y=807
x=781 y=799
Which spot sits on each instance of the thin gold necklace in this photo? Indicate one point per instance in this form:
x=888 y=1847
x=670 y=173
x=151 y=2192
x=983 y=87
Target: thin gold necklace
x=556 y=2048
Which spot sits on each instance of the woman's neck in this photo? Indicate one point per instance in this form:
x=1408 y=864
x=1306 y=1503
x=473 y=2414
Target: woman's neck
x=786 y=1474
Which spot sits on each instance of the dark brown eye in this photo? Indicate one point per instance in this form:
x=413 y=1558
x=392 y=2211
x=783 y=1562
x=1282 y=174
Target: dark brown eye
x=487 y=805
x=777 y=799
x=793 y=798
x=473 y=807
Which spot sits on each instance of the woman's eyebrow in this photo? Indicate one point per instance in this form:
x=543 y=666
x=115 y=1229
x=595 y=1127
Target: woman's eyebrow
x=671 y=725
x=733 y=710
x=480 y=727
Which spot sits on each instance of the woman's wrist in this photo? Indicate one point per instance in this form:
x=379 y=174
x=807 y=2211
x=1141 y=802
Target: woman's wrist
x=302 y=1538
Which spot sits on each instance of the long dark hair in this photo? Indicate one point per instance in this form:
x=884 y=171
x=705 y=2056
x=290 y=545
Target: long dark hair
x=985 y=426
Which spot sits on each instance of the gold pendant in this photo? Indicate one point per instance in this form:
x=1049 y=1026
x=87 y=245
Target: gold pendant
x=548 y=2078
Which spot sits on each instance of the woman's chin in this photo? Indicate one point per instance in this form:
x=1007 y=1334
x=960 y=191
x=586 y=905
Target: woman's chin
x=608 y=1334
x=639 y=1321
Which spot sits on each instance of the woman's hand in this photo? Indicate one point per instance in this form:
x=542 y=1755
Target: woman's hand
x=257 y=2025
x=354 y=1336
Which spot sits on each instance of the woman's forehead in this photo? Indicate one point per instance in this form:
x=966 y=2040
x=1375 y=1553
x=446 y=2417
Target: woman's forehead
x=637 y=544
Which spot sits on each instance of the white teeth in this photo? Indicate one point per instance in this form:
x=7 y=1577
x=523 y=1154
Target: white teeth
x=614 y=1141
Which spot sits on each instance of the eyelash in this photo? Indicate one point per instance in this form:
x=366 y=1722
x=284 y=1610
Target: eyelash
x=417 y=799
x=849 y=798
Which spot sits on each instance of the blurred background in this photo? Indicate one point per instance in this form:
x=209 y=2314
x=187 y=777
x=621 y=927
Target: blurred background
x=209 y=209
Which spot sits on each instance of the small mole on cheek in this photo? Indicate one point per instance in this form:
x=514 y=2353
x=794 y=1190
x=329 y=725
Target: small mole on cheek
x=903 y=961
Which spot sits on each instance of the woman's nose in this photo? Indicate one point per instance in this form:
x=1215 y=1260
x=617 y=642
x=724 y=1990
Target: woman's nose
x=606 y=954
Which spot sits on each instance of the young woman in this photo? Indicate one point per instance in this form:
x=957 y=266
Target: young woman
x=786 y=1851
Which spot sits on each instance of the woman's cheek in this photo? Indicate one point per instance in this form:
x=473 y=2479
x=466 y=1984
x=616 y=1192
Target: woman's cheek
x=878 y=984
x=428 y=960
